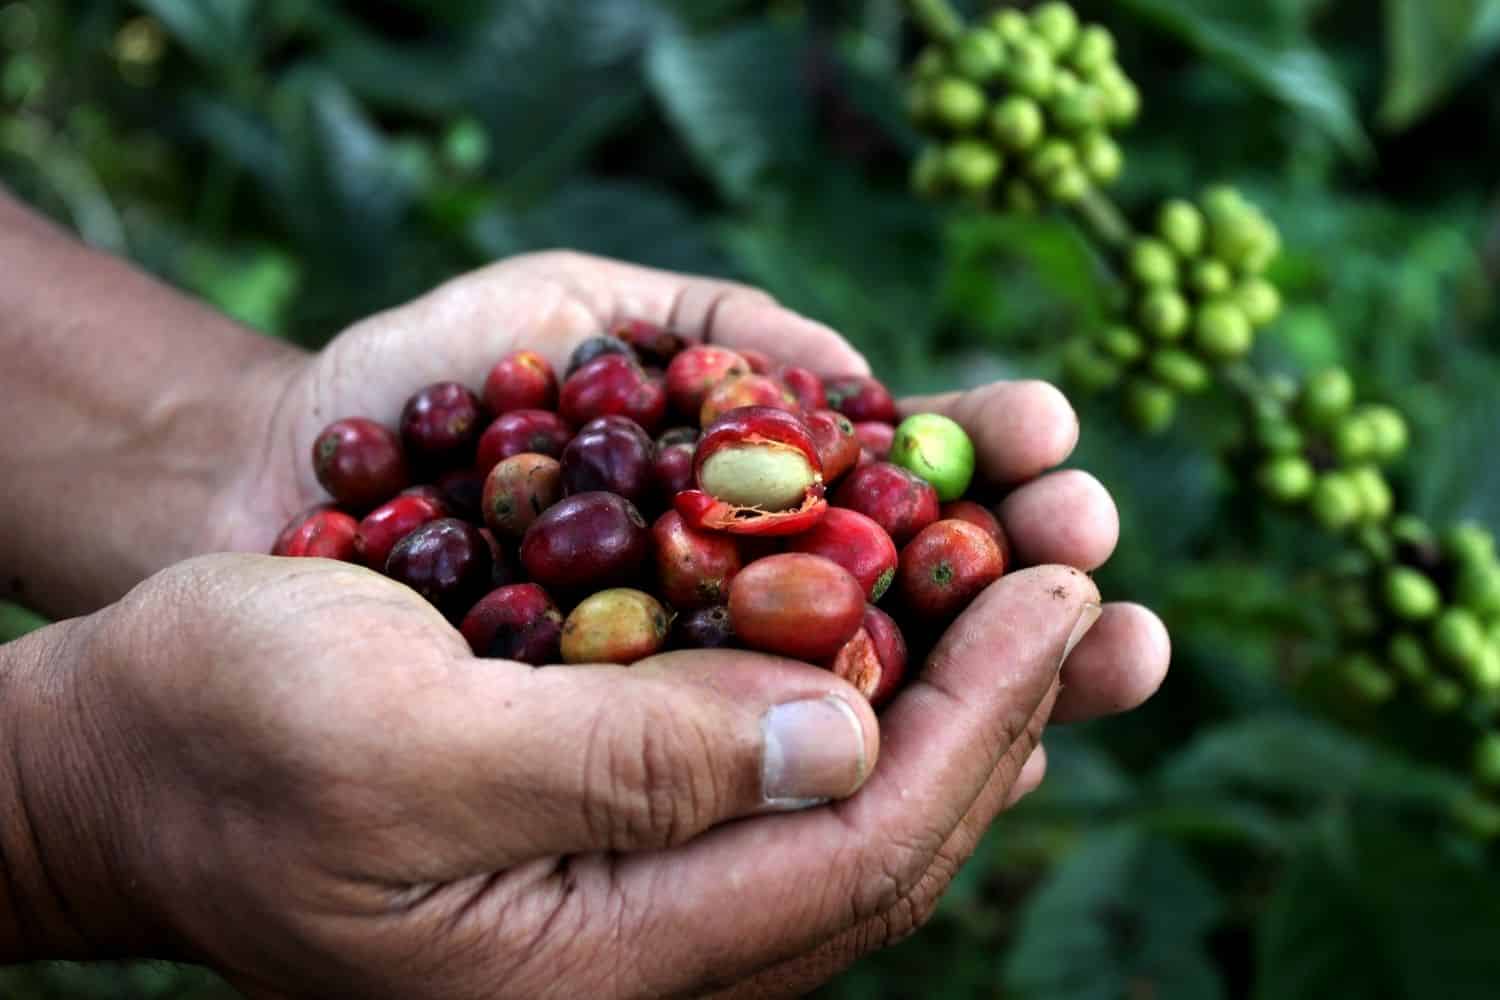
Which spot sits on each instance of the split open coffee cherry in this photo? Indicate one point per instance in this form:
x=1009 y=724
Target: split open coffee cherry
x=758 y=473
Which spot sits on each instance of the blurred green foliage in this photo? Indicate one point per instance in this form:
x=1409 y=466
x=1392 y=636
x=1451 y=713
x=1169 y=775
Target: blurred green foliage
x=301 y=164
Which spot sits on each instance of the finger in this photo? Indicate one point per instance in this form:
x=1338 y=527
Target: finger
x=749 y=894
x=1020 y=429
x=1120 y=664
x=1064 y=517
x=504 y=763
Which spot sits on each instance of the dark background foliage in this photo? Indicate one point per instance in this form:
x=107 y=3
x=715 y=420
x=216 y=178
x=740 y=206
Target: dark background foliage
x=301 y=164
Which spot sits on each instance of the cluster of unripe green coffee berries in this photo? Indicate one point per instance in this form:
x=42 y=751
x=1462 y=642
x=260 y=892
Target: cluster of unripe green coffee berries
x=1196 y=292
x=1324 y=450
x=1019 y=109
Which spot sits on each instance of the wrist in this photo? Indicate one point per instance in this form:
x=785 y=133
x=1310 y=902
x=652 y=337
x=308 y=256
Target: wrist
x=65 y=883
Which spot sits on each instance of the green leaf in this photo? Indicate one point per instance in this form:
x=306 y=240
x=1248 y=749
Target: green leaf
x=735 y=98
x=1260 y=43
x=1430 y=46
x=217 y=32
x=16 y=621
x=1125 y=914
x=1388 y=917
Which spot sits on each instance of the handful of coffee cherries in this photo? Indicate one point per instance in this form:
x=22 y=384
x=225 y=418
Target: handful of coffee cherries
x=664 y=495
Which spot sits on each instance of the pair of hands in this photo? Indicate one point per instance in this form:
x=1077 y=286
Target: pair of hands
x=304 y=778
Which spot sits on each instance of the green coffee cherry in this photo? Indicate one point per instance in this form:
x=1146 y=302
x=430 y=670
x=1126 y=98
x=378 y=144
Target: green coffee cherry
x=1051 y=158
x=957 y=103
x=1411 y=595
x=1222 y=202
x=1101 y=157
x=1211 y=278
x=972 y=165
x=1355 y=614
x=1179 y=370
x=1123 y=344
x=1442 y=695
x=1458 y=637
x=1086 y=367
x=1408 y=654
x=1375 y=499
x=1152 y=263
x=1478 y=589
x=1260 y=255
x=936 y=448
x=1030 y=69
x=1336 y=501
x=1093 y=49
x=1068 y=185
x=1150 y=405
x=1366 y=679
x=1223 y=332
x=1065 y=83
x=1236 y=238
x=1487 y=759
x=930 y=64
x=1011 y=25
x=1278 y=436
x=1164 y=313
x=1484 y=673
x=1080 y=110
x=919 y=102
x=1353 y=439
x=1122 y=101
x=1287 y=478
x=1180 y=224
x=1388 y=431
x=1259 y=299
x=1056 y=24
x=1408 y=529
x=1017 y=123
x=979 y=55
x=1326 y=396
x=1470 y=544
x=1020 y=197
x=929 y=172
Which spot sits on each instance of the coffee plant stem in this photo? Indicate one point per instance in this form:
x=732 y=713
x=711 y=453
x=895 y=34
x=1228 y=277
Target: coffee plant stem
x=1104 y=220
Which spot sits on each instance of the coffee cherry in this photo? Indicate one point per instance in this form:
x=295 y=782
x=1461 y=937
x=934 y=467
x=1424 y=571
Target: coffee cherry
x=936 y=448
x=1487 y=759
x=1093 y=49
x=1086 y=367
x=1366 y=679
x=957 y=103
x=1478 y=589
x=1021 y=198
x=972 y=165
x=931 y=63
x=1353 y=439
x=1068 y=186
x=928 y=172
x=1179 y=370
x=1011 y=25
x=979 y=55
x=1411 y=595
x=1031 y=70
x=1150 y=405
x=1123 y=344
x=1181 y=225
x=1335 y=501
x=1470 y=544
x=1101 y=157
x=1222 y=331
x=1079 y=109
x=1259 y=300
x=1287 y=478
x=1152 y=263
x=1278 y=436
x=1056 y=24
x=1326 y=396
x=1017 y=123
x=1408 y=654
x=1458 y=637
x=1388 y=432
x=1211 y=278
x=1052 y=158
x=1164 y=313
x=1122 y=101
x=1375 y=499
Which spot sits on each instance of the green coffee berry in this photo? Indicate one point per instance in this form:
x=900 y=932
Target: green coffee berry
x=1388 y=431
x=1336 y=501
x=1487 y=759
x=930 y=64
x=1408 y=529
x=1068 y=185
x=957 y=103
x=1375 y=499
x=1152 y=263
x=1236 y=238
x=1287 y=478
x=979 y=55
x=1123 y=344
x=1411 y=595
x=1179 y=370
x=1470 y=544
x=1017 y=123
x=1478 y=589
x=1458 y=637
x=1094 y=48
x=1011 y=25
x=1086 y=367
x=1122 y=101
x=1164 y=313
x=1278 y=436
x=1052 y=158
x=1030 y=69
x=1065 y=83
x=1408 y=654
x=1101 y=157
x=1021 y=198
x=972 y=165
x=1263 y=251
x=1180 y=224
x=1373 y=538
x=1442 y=695
x=1259 y=299
x=1223 y=332
x=1366 y=679
x=1079 y=110
x=937 y=449
x=1211 y=278
x=1056 y=24
x=929 y=172
x=1484 y=673
x=1223 y=202
x=1326 y=396
x=919 y=102
x=1353 y=439
x=1150 y=405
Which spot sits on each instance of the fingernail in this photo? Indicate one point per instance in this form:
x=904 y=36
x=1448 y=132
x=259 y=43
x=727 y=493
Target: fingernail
x=1086 y=620
x=814 y=752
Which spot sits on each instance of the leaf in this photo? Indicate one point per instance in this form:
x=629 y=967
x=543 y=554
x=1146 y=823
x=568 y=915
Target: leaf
x=1430 y=46
x=16 y=621
x=1270 y=53
x=217 y=32
x=1388 y=917
x=1125 y=914
x=736 y=100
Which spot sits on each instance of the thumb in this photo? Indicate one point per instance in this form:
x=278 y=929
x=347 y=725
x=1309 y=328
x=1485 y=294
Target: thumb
x=530 y=763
